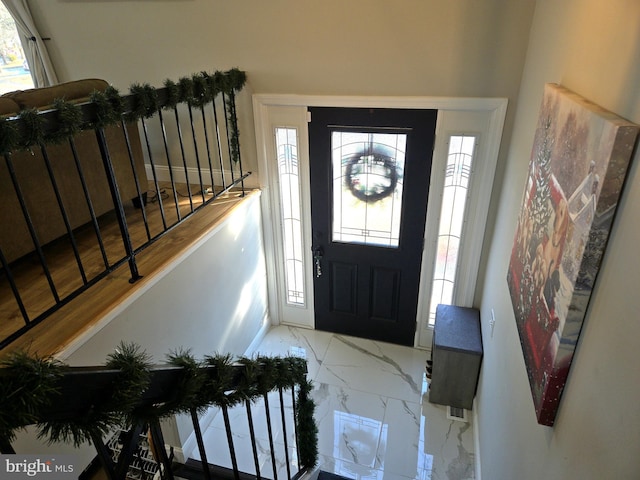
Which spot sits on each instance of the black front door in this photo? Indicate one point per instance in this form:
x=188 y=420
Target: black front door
x=370 y=171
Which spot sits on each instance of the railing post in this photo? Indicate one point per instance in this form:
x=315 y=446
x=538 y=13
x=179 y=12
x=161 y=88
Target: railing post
x=200 y=442
x=30 y=226
x=270 y=432
x=252 y=434
x=159 y=450
x=117 y=203
x=284 y=433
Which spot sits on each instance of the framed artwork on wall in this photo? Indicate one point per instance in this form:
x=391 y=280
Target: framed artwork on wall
x=578 y=165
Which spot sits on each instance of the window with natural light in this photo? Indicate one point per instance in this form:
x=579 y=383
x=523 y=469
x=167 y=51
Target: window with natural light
x=14 y=70
x=289 y=180
x=367 y=187
x=454 y=203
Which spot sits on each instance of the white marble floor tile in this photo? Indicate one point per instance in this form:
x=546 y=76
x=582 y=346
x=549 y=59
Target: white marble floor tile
x=400 y=451
x=450 y=442
x=373 y=367
x=350 y=423
x=309 y=344
x=372 y=410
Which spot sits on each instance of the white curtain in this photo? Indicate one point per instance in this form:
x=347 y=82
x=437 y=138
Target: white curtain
x=35 y=50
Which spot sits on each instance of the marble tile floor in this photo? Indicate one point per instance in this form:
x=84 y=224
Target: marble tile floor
x=372 y=410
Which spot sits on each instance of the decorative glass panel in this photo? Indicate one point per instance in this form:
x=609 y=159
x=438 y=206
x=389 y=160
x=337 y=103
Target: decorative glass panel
x=367 y=187
x=454 y=201
x=288 y=175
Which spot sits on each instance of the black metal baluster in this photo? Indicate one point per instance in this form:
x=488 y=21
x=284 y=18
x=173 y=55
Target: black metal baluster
x=104 y=456
x=203 y=453
x=253 y=439
x=219 y=143
x=166 y=150
x=160 y=450
x=153 y=173
x=195 y=148
x=232 y=450
x=206 y=141
x=136 y=179
x=63 y=212
x=269 y=430
x=284 y=433
x=130 y=442
x=87 y=196
x=30 y=226
x=184 y=157
x=117 y=202
x=14 y=288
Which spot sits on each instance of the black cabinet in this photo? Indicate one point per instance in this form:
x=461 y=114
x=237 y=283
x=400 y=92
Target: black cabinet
x=456 y=355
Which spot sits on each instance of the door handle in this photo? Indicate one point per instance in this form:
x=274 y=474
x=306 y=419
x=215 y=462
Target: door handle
x=318 y=253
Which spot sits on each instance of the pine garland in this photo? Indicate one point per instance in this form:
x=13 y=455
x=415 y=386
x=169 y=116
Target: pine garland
x=198 y=90
x=173 y=94
x=145 y=102
x=109 y=107
x=33 y=133
x=29 y=384
x=68 y=121
x=9 y=136
x=185 y=89
x=307 y=428
x=111 y=410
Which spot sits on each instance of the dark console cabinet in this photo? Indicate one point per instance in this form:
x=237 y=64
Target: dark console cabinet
x=456 y=355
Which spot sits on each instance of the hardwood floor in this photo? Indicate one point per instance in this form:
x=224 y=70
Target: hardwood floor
x=63 y=326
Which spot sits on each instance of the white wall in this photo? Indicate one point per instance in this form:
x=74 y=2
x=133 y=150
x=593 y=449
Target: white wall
x=213 y=300
x=461 y=48
x=593 y=48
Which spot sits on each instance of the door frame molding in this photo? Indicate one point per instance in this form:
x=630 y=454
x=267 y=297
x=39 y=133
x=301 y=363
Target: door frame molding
x=263 y=107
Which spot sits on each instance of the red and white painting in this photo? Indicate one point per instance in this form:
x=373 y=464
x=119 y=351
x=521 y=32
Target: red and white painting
x=578 y=164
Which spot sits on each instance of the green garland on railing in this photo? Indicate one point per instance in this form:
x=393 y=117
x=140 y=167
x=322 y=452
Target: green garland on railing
x=9 y=136
x=308 y=431
x=198 y=90
x=113 y=410
x=68 y=120
x=173 y=94
x=28 y=384
x=109 y=107
x=33 y=133
x=145 y=102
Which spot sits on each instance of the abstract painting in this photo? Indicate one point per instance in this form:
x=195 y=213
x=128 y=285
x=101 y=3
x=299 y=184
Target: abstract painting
x=577 y=169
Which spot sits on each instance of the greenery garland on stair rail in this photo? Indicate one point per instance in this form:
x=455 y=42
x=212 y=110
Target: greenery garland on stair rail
x=28 y=385
x=27 y=130
x=110 y=410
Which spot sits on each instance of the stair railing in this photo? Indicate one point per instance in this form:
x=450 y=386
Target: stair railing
x=187 y=133
x=76 y=404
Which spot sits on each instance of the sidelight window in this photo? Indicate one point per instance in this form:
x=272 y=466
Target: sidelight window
x=452 y=220
x=289 y=181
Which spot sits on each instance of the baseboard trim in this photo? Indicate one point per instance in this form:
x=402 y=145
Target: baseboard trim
x=193 y=173
x=257 y=340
